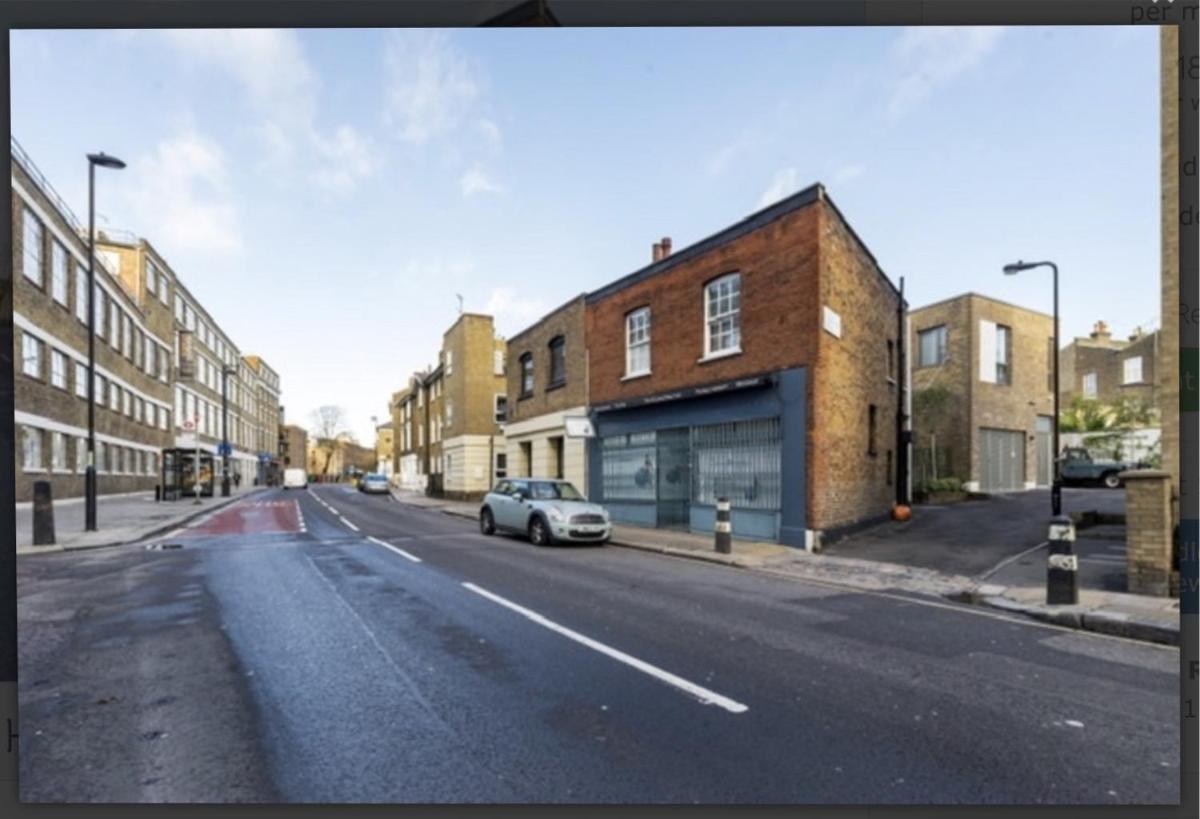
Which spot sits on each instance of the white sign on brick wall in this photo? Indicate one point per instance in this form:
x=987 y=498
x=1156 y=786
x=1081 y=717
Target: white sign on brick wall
x=832 y=322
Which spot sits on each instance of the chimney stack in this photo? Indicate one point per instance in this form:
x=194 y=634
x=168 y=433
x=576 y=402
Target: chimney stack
x=1100 y=332
x=665 y=244
x=656 y=253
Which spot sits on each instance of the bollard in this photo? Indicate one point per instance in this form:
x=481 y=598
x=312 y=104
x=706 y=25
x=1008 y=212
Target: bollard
x=157 y=492
x=1062 y=588
x=43 y=514
x=723 y=530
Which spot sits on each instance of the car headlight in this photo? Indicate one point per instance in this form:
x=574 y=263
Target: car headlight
x=555 y=515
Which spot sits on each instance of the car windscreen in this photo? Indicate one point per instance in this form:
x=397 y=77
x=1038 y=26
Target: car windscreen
x=546 y=490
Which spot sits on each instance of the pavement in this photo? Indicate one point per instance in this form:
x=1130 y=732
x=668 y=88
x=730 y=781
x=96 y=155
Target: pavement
x=120 y=519
x=329 y=646
x=967 y=559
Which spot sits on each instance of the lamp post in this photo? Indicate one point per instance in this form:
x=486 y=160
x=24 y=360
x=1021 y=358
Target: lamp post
x=89 y=488
x=226 y=371
x=1056 y=476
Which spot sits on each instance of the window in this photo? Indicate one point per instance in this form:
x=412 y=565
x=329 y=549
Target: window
x=81 y=380
x=628 y=471
x=58 y=369
x=32 y=247
x=101 y=301
x=637 y=343
x=151 y=277
x=1003 y=354
x=738 y=460
x=127 y=402
x=114 y=396
x=101 y=457
x=1089 y=385
x=163 y=285
x=500 y=408
x=526 y=374
x=558 y=362
x=449 y=412
x=31 y=450
x=58 y=452
x=498 y=362
x=1132 y=370
x=931 y=346
x=164 y=418
x=81 y=455
x=872 y=429
x=449 y=362
x=891 y=361
x=81 y=294
x=59 y=273
x=502 y=466
x=31 y=355
x=722 y=314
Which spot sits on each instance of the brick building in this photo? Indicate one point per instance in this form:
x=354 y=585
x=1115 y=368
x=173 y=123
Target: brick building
x=982 y=394
x=546 y=384
x=293 y=449
x=50 y=348
x=472 y=367
x=384 y=449
x=1110 y=370
x=340 y=460
x=759 y=364
x=408 y=429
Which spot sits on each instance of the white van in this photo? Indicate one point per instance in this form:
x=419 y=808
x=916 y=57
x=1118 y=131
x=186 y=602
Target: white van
x=295 y=479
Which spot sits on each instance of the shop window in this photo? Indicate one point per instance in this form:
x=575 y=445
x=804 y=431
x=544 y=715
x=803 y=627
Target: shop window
x=628 y=471
x=739 y=460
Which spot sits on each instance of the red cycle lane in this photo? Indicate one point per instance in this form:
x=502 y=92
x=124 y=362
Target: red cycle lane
x=252 y=517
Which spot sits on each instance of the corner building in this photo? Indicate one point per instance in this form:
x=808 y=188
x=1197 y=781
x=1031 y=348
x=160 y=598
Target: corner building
x=759 y=365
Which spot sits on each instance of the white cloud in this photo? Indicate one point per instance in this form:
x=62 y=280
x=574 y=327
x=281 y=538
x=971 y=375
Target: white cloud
x=477 y=181
x=271 y=68
x=180 y=192
x=432 y=86
x=925 y=58
x=786 y=181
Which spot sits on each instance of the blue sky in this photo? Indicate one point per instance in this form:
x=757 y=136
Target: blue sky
x=326 y=193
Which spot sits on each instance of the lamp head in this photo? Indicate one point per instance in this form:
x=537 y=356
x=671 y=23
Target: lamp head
x=1016 y=267
x=105 y=161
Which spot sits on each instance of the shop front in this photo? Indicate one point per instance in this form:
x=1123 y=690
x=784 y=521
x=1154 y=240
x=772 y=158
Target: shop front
x=664 y=460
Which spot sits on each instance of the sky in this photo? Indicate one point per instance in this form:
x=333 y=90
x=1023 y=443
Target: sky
x=328 y=194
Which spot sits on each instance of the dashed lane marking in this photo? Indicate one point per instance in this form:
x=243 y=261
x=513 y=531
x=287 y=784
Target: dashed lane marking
x=395 y=549
x=348 y=523
x=699 y=692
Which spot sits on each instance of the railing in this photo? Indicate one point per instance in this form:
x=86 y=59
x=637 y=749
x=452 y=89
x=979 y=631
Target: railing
x=27 y=163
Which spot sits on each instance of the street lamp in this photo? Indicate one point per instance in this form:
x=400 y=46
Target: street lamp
x=226 y=371
x=89 y=488
x=1056 y=477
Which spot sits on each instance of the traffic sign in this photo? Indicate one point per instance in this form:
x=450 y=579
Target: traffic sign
x=189 y=424
x=224 y=448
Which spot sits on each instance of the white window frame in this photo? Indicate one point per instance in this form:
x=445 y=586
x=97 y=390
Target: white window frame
x=1090 y=385
x=941 y=347
x=497 y=362
x=734 y=313
x=1126 y=368
x=81 y=455
x=81 y=294
x=58 y=452
x=32 y=235
x=60 y=273
x=151 y=278
x=449 y=362
x=637 y=337
x=31 y=351
x=496 y=409
x=32 y=458
x=58 y=368
x=81 y=379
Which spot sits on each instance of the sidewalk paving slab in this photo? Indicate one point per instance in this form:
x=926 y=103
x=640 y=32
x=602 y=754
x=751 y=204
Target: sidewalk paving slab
x=1125 y=615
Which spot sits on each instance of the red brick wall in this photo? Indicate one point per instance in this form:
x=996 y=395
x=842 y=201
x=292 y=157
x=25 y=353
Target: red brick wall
x=780 y=309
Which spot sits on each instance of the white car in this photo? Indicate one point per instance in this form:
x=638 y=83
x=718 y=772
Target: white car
x=546 y=510
x=295 y=479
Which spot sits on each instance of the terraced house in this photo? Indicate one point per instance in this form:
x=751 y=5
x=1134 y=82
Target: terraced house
x=50 y=351
x=759 y=365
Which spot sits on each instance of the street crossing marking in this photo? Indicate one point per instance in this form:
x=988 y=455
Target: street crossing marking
x=699 y=692
x=395 y=549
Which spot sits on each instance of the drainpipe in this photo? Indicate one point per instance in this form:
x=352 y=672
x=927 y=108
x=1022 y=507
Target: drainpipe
x=903 y=434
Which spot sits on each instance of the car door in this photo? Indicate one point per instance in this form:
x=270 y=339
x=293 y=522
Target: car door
x=517 y=511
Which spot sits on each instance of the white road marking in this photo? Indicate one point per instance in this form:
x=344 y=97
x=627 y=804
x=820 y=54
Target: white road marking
x=173 y=533
x=699 y=692
x=395 y=549
x=348 y=523
x=300 y=516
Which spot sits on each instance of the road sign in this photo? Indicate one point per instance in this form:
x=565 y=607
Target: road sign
x=224 y=448
x=579 y=427
x=264 y=457
x=189 y=424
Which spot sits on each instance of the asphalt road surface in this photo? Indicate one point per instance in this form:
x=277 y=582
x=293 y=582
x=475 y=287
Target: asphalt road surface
x=328 y=646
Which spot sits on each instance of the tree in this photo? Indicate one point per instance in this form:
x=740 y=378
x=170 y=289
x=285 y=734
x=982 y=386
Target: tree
x=330 y=430
x=1087 y=415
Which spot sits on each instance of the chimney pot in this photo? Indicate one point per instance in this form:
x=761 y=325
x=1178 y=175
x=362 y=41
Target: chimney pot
x=656 y=252
x=665 y=244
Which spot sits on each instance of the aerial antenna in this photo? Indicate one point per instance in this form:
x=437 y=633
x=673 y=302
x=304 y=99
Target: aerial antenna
x=460 y=302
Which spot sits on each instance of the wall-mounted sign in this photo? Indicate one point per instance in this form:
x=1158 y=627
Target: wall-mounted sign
x=579 y=427
x=687 y=392
x=832 y=322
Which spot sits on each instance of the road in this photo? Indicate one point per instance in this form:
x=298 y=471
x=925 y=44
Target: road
x=327 y=646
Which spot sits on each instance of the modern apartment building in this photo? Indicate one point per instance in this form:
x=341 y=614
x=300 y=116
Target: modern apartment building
x=50 y=350
x=1110 y=370
x=982 y=394
x=546 y=385
x=473 y=388
x=759 y=365
x=162 y=360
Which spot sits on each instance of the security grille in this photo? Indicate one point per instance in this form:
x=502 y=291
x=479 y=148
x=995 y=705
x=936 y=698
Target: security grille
x=740 y=461
x=629 y=466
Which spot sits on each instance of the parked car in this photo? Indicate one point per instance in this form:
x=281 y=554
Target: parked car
x=373 y=483
x=545 y=510
x=295 y=479
x=1079 y=467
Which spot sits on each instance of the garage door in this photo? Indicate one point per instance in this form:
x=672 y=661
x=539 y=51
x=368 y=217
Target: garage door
x=1001 y=460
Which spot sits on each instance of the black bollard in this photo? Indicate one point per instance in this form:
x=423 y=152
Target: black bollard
x=723 y=530
x=157 y=492
x=43 y=514
x=1062 y=588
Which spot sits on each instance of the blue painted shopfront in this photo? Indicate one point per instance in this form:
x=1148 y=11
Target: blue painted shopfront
x=661 y=461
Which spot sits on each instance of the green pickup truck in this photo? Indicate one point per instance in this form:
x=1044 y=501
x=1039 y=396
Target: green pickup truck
x=1078 y=467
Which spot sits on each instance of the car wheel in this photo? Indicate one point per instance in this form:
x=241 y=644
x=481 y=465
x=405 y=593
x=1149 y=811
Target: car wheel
x=539 y=533
x=487 y=524
x=1111 y=480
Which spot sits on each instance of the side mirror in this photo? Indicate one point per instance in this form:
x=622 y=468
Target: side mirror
x=519 y=497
